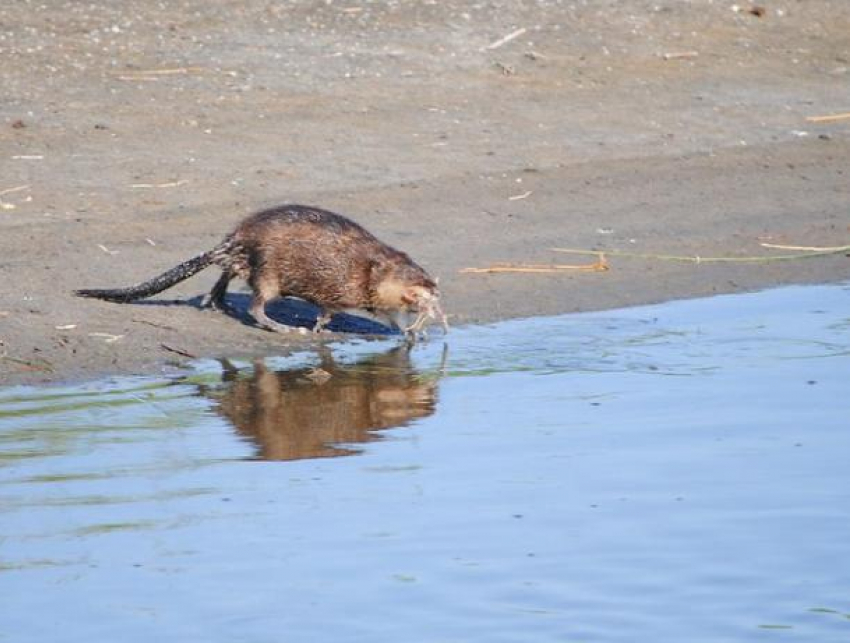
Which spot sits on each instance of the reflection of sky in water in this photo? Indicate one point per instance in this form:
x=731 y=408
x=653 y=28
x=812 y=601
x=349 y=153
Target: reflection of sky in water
x=666 y=473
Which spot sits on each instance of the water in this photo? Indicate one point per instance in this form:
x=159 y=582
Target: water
x=667 y=473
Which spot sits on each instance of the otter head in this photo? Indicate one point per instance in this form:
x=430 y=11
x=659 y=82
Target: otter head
x=409 y=291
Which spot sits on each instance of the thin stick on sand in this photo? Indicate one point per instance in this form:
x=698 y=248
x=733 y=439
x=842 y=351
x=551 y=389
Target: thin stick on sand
x=174 y=71
x=829 y=118
x=169 y=184
x=818 y=249
x=10 y=206
x=676 y=55
x=600 y=266
x=505 y=40
x=14 y=189
x=698 y=259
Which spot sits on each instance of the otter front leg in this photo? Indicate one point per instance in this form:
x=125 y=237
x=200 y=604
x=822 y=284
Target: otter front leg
x=323 y=320
x=401 y=320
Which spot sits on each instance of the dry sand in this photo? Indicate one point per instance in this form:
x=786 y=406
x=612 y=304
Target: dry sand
x=135 y=134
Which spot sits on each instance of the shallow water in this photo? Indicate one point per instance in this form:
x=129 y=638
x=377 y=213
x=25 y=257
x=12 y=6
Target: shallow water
x=666 y=473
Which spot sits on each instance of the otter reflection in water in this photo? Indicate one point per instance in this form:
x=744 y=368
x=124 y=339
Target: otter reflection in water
x=318 y=412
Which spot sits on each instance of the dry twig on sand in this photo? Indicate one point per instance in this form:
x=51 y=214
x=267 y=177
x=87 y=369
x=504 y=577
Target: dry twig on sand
x=178 y=351
x=41 y=365
x=155 y=74
x=829 y=118
x=677 y=55
x=816 y=249
x=169 y=184
x=154 y=324
x=505 y=40
x=15 y=189
x=600 y=266
x=109 y=338
x=10 y=206
x=698 y=259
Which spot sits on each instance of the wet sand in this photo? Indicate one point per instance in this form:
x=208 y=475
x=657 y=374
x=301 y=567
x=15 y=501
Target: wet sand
x=133 y=137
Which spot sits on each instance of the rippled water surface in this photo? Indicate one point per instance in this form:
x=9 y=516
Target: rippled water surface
x=669 y=473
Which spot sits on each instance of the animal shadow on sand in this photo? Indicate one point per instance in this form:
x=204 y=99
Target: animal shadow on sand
x=289 y=311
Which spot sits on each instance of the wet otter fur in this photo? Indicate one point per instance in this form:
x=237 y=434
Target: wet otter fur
x=315 y=255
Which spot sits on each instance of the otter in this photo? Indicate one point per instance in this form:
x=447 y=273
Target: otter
x=312 y=254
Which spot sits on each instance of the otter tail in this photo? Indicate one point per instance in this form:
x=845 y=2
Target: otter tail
x=162 y=282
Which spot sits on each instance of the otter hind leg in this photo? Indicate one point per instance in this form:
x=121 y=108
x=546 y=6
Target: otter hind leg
x=266 y=290
x=215 y=299
x=258 y=312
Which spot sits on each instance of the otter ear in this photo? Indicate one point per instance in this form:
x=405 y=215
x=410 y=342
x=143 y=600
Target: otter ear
x=416 y=295
x=409 y=296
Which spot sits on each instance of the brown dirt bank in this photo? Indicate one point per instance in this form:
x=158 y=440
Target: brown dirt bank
x=138 y=137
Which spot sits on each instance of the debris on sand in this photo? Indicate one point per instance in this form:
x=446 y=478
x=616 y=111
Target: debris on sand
x=601 y=265
x=754 y=10
x=502 y=41
x=676 y=55
x=11 y=206
x=168 y=184
x=178 y=351
x=109 y=338
x=156 y=74
x=814 y=249
x=829 y=118
x=39 y=365
x=811 y=252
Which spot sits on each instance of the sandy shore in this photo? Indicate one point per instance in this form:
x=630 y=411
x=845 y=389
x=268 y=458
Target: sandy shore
x=132 y=137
